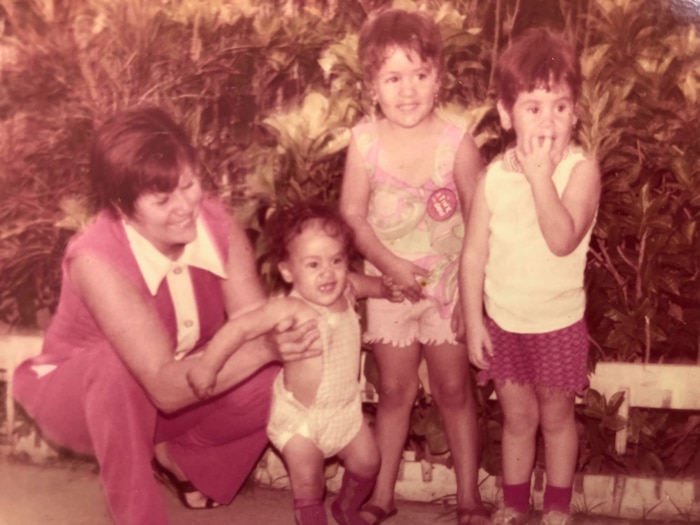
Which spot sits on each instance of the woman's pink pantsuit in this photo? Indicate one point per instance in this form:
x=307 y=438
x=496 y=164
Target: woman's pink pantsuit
x=84 y=398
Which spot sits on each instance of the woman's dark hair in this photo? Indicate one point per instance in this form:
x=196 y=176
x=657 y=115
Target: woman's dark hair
x=285 y=224
x=135 y=152
x=409 y=30
x=539 y=58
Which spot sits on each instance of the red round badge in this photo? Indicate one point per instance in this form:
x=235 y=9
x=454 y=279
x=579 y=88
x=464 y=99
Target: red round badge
x=442 y=204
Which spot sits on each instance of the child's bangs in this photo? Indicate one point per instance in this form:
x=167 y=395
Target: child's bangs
x=548 y=71
x=549 y=81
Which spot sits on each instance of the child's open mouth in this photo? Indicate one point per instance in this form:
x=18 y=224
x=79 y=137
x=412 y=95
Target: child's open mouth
x=327 y=288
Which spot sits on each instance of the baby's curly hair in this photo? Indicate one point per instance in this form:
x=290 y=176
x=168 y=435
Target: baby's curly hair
x=287 y=223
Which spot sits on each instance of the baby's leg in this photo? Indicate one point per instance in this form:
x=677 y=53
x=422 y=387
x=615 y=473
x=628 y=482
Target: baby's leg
x=398 y=372
x=361 y=455
x=451 y=387
x=361 y=460
x=305 y=464
x=558 y=422
x=520 y=422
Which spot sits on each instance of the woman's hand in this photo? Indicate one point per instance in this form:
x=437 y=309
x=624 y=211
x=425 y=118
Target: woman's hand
x=292 y=341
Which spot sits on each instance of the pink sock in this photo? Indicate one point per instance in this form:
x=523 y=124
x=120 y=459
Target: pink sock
x=517 y=496
x=557 y=499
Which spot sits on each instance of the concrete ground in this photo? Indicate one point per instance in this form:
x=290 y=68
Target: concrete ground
x=68 y=493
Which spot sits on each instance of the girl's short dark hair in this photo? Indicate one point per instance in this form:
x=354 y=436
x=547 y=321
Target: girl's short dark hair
x=538 y=58
x=138 y=151
x=409 y=30
x=285 y=224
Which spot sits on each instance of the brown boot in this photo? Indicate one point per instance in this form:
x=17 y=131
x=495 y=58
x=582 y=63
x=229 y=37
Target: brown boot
x=353 y=493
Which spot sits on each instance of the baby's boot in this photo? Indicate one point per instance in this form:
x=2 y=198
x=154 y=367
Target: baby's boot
x=310 y=511
x=353 y=493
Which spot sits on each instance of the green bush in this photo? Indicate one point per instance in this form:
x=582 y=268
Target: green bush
x=268 y=90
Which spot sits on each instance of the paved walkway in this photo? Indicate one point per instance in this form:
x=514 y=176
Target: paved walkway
x=70 y=494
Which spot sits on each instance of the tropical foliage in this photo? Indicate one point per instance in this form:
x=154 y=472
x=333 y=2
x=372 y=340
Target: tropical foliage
x=268 y=90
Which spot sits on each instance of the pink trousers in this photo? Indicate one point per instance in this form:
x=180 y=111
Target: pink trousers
x=92 y=404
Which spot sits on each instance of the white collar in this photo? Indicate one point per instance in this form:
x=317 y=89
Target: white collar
x=155 y=266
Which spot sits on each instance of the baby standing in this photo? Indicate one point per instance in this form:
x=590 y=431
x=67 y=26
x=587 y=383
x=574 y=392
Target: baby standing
x=316 y=409
x=523 y=260
x=408 y=182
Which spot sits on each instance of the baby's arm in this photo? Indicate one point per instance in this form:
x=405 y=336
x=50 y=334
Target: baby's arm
x=354 y=205
x=237 y=331
x=564 y=221
x=471 y=279
x=378 y=287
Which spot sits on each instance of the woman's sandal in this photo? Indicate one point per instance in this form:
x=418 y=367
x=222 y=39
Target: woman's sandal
x=380 y=515
x=180 y=487
x=474 y=516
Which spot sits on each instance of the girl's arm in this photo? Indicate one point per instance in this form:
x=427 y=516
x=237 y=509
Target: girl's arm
x=563 y=221
x=354 y=205
x=468 y=169
x=471 y=278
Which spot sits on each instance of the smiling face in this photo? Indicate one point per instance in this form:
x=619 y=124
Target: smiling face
x=541 y=114
x=317 y=265
x=168 y=219
x=405 y=87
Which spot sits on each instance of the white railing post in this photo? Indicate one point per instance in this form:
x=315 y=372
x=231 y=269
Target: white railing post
x=15 y=348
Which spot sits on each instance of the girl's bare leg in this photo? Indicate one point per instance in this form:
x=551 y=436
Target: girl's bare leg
x=452 y=389
x=557 y=419
x=520 y=422
x=398 y=372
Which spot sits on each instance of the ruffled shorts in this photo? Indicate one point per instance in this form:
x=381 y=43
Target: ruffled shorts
x=402 y=324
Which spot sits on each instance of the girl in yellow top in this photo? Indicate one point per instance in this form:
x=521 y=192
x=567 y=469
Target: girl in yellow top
x=523 y=260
